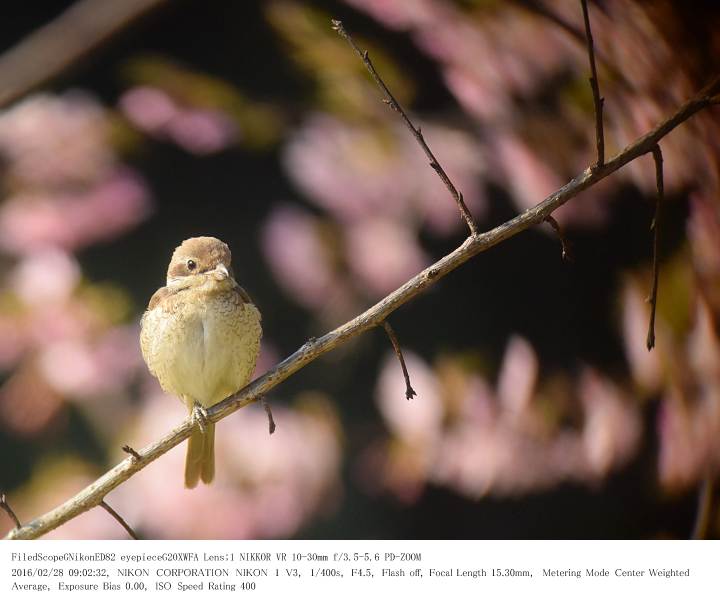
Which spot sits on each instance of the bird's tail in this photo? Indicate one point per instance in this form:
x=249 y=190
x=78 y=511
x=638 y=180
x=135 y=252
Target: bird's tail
x=200 y=460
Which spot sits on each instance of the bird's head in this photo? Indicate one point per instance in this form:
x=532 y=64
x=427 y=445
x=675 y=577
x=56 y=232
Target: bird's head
x=201 y=261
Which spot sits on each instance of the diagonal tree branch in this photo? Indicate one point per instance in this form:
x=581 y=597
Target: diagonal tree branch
x=52 y=49
x=93 y=494
x=417 y=133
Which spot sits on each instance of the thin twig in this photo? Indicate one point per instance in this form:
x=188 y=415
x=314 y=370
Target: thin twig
x=417 y=132
x=704 y=509
x=409 y=392
x=130 y=451
x=271 y=420
x=578 y=34
x=561 y=236
x=6 y=506
x=104 y=505
x=91 y=495
x=597 y=99
x=657 y=156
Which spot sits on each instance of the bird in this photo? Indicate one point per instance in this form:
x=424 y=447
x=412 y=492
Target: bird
x=200 y=337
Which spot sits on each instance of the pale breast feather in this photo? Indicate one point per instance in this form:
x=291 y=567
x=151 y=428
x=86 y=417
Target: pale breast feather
x=156 y=321
x=204 y=350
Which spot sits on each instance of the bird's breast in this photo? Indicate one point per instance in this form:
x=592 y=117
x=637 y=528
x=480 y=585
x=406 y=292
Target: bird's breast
x=205 y=349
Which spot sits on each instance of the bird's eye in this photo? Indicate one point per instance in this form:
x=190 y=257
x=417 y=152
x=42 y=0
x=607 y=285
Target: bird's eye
x=192 y=265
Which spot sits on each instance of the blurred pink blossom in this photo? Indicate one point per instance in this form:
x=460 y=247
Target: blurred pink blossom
x=612 y=428
x=348 y=170
x=56 y=141
x=703 y=233
x=27 y=403
x=13 y=341
x=518 y=377
x=488 y=56
x=300 y=259
x=688 y=432
x=419 y=421
x=399 y=15
x=703 y=346
x=52 y=323
x=197 y=130
x=150 y=109
x=497 y=59
x=46 y=276
x=496 y=441
x=355 y=171
x=89 y=369
x=202 y=131
x=383 y=254
x=266 y=486
x=529 y=178
x=689 y=419
x=26 y=329
x=29 y=221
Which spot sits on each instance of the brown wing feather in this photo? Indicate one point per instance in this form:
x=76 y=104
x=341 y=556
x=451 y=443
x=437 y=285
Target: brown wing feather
x=242 y=293
x=146 y=335
x=160 y=295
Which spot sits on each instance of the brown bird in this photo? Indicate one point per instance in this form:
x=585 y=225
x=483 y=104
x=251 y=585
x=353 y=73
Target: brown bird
x=200 y=337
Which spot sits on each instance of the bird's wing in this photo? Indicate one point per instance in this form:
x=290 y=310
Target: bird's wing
x=244 y=298
x=149 y=324
x=159 y=296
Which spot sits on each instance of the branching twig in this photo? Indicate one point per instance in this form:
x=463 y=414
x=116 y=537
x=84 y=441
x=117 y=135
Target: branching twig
x=93 y=494
x=657 y=156
x=597 y=99
x=49 y=51
x=271 y=420
x=130 y=451
x=409 y=392
x=561 y=236
x=6 y=506
x=104 y=505
x=417 y=132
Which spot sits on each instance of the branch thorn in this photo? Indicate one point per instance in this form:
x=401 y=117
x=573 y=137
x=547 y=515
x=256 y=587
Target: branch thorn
x=566 y=255
x=409 y=392
x=6 y=506
x=132 y=452
x=658 y=158
x=271 y=420
x=118 y=517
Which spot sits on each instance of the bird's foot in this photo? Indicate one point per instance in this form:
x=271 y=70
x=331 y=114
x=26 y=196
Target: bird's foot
x=200 y=416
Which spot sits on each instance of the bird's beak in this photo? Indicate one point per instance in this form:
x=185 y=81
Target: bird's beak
x=221 y=272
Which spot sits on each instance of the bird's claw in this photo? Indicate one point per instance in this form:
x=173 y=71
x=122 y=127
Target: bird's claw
x=200 y=416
